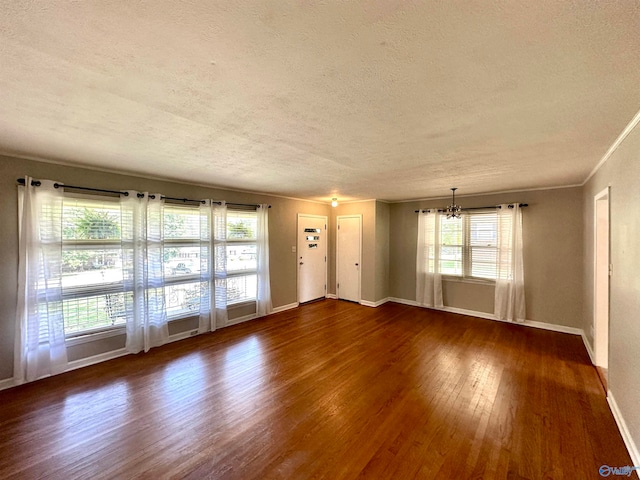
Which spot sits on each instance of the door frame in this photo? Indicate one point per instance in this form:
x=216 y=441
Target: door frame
x=600 y=345
x=359 y=217
x=326 y=243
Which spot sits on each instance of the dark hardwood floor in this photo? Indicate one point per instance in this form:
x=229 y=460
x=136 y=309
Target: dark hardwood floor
x=329 y=390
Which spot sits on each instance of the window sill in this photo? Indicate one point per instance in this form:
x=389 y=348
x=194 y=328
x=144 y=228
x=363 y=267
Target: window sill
x=477 y=281
x=81 y=338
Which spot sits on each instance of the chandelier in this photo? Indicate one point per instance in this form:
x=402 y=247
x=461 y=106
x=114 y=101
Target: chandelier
x=453 y=210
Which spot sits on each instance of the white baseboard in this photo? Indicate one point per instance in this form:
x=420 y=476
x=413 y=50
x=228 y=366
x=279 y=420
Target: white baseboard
x=552 y=326
x=469 y=313
x=367 y=303
x=6 y=383
x=634 y=453
x=282 y=308
x=332 y=296
x=404 y=301
x=490 y=316
x=102 y=357
x=587 y=345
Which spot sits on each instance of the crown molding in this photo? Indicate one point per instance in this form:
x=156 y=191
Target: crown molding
x=627 y=130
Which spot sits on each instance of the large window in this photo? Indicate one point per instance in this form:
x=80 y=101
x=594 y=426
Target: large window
x=92 y=284
x=94 y=296
x=468 y=245
x=95 y=266
x=92 y=276
x=242 y=256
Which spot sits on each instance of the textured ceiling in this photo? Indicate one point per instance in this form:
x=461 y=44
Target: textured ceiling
x=372 y=99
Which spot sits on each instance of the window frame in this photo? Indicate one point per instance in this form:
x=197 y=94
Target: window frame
x=242 y=273
x=94 y=290
x=467 y=249
x=458 y=246
x=190 y=242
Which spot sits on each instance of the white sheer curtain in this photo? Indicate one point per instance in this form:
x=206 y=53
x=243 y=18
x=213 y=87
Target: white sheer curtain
x=207 y=283
x=263 y=304
x=39 y=340
x=219 y=233
x=142 y=262
x=428 y=280
x=509 y=295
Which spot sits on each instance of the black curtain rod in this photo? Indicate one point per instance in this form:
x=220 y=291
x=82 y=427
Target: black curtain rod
x=37 y=183
x=257 y=205
x=476 y=208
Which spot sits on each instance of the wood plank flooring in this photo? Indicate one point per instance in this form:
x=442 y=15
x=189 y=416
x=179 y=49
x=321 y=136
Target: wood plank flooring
x=329 y=390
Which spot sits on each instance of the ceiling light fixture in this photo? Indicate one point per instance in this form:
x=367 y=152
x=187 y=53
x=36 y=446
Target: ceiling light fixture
x=453 y=210
x=334 y=202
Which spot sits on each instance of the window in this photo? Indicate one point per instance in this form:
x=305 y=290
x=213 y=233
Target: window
x=242 y=256
x=92 y=283
x=94 y=296
x=468 y=245
x=92 y=276
x=451 y=246
x=181 y=260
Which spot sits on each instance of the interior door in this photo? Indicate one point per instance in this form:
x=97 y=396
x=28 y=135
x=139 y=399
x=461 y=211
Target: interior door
x=349 y=262
x=602 y=272
x=312 y=257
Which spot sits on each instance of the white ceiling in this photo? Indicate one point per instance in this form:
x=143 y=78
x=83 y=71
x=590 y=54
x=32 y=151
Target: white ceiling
x=371 y=99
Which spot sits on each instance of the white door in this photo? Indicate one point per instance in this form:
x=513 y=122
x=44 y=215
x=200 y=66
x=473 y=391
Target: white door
x=312 y=257
x=348 y=257
x=601 y=293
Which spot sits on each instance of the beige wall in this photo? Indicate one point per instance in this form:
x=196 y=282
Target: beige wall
x=383 y=212
x=622 y=173
x=368 y=211
x=553 y=242
x=375 y=247
x=282 y=230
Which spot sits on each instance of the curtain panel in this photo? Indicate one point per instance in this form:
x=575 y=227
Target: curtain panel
x=142 y=271
x=428 y=279
x=263 y=303
x=509 y=302
x=39 y=338
x=207 y=285
x=219 y=234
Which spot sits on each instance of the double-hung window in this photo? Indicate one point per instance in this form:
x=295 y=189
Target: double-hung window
x=242 y=256
x=181 y=260
x=468 y=245
x=92 y=283
x=451 y=258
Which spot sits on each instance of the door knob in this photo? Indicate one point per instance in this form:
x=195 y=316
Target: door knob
x=301 y=263
x=356 y=264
